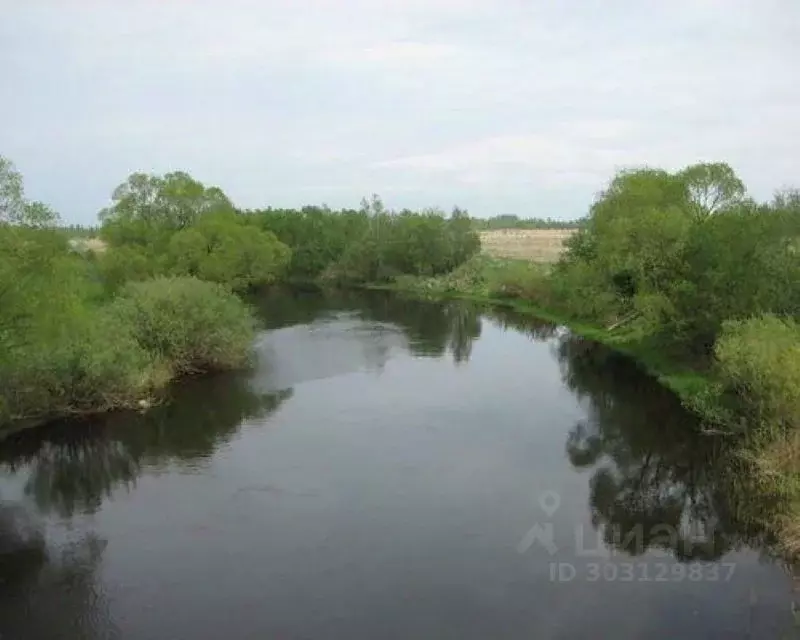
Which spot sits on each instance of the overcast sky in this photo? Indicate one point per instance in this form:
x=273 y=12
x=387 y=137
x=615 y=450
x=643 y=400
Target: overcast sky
x=502 y=106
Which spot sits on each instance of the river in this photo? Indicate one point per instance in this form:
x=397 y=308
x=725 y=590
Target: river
x=388 y=469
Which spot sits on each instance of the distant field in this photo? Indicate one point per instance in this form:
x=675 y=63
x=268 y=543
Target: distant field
x=538 y=245
x=88 y=244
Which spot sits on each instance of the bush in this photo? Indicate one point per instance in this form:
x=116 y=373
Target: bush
x=580 y=291
x=758 y=360
x=96 y=365
x=520 y=279
x=194 y=326
x=125 y=263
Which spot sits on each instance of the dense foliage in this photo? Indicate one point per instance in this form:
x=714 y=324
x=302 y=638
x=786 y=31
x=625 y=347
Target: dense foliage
x=701 y=284
x=371 y=244
x=65 y=347
x=758 y=363
x=175 y=225
x=681 y=254
x=317 y=236
x=193 y=325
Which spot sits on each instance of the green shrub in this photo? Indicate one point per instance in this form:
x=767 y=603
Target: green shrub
x=583 y=293
x=520 y=279
x=125 y=263
x=95 y=365
x=758 y=361
x=193 y=325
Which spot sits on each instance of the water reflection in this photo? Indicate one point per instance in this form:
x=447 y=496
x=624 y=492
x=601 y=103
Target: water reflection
x=36 y=576
x=73 y=467
x=657 y=484
x=431 y=329
x=531 y=326
x=320 y=527
x=283 y=307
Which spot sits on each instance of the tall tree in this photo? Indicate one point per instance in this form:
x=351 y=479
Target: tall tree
x=145 y=206
x=712 y=187
x=14 y=207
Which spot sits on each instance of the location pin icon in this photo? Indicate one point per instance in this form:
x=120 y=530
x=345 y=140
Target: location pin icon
x=549 y=501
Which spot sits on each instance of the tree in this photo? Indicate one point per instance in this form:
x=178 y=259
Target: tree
x=14 y=208
x=222 y=248
x=317 y=236
x=631 y=244
x=146 y=208
x=373 y=206
x=712 y=187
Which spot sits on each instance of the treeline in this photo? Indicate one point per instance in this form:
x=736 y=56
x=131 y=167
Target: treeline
x=79 y=230
x=174 y=225
x=88 y=326
x=688 y=265
x=515 y=222
x=371 y=244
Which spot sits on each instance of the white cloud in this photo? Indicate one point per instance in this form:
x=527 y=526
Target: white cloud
x=491 y=105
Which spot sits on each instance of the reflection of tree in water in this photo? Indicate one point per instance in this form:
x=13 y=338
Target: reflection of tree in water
x=74 y=467
x=48 y=591
x=431 y=328
x=285 y=306
x=202 y=414
x=657 y=482
x=525 y=323
x=465 y=329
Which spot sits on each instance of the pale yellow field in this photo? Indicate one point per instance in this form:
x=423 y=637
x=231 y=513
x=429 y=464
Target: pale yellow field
x=95 y=245
x=538 y=245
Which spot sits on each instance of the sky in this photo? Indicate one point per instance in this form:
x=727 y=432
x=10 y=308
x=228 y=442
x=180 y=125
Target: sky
x=502 y=107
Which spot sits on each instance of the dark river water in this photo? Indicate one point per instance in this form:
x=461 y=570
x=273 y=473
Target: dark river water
x=389 y=469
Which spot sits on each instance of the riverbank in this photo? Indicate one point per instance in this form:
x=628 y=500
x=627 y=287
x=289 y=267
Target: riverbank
x=485 y=281
x=122 y=354
x=767 y=459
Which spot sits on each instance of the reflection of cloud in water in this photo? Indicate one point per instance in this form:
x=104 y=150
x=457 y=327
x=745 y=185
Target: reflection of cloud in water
x=48 y=583
x=323 y=349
